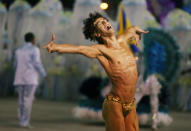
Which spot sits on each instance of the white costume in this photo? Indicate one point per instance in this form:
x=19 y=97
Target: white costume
x=27 y=66
x=151 y=87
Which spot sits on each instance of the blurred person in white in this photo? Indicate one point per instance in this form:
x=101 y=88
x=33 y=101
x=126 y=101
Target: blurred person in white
x=151 y=86
x=28 y=66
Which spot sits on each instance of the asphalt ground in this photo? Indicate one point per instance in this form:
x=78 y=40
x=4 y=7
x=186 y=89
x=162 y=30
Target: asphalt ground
x=57 y=116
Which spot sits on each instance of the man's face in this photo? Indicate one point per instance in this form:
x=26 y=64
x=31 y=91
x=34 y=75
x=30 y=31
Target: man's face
x=33 y=41
x=103 y=27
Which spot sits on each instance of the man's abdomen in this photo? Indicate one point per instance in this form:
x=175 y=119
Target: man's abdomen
x=124 y=83
x=125 y=77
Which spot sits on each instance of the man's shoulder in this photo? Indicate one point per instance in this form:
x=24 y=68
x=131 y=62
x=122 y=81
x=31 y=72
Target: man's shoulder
x=18 y=49
x=35 y=47
x=98 y=46
x=26 y=47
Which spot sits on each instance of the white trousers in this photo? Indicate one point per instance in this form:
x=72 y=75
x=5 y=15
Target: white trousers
x=26 y=96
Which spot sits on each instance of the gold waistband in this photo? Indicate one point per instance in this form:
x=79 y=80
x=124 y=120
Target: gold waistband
x=117 y=99
x=126 y=106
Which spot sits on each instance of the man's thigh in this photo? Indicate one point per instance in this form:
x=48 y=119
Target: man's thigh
x=131 y=121
x=113 y=116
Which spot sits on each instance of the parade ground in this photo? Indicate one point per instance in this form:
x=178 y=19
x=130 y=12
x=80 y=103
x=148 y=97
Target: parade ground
x=57 y=116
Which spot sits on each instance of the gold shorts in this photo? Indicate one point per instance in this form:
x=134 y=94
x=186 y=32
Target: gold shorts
x=126 y=106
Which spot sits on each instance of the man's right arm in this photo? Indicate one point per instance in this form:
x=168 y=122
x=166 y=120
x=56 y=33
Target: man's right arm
x=15 y=60
x=89 y=51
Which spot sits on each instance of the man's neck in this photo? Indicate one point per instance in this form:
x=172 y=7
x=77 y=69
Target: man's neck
x=111 y=42
x=29 y=43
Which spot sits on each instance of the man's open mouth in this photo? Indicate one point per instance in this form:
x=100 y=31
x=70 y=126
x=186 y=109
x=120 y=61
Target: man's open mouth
x=108 y=27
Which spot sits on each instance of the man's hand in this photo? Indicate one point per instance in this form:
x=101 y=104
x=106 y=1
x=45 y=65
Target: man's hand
x=135 y=33
x=50 y=45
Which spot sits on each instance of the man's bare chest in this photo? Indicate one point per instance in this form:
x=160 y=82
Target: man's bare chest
x=121 y=57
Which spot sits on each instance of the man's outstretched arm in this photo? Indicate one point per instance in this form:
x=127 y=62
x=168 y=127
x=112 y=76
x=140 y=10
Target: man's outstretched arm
x=89 y=51
x=132 y=33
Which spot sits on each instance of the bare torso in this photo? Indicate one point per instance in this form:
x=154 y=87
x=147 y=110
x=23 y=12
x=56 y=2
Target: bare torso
x=117 y=60
x=114 y=55
x=120 y=65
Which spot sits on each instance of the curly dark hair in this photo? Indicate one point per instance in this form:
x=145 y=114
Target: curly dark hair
x=29 y=37
x=89 y=29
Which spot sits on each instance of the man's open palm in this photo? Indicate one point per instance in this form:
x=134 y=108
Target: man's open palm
x=49 y=46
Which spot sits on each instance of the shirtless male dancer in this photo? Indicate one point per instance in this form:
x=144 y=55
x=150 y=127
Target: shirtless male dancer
x=113 y=53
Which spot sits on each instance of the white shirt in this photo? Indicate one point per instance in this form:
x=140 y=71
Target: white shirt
x=28 y=65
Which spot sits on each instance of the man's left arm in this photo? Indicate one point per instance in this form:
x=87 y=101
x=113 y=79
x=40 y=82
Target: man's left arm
x=132 y=33
x=37 y=62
